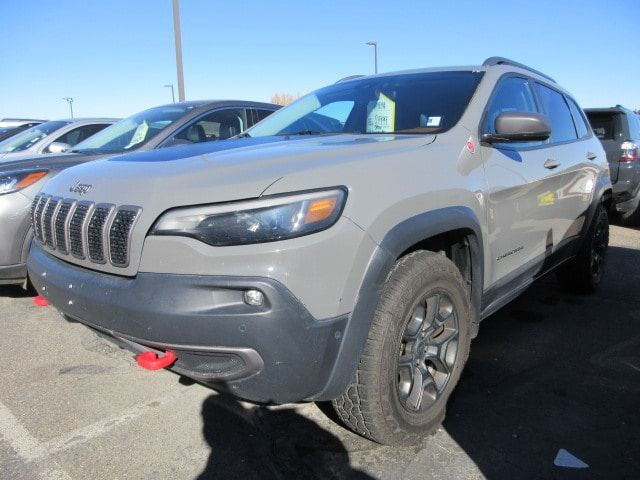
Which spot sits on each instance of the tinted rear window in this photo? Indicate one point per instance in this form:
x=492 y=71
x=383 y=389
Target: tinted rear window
x=603 y=125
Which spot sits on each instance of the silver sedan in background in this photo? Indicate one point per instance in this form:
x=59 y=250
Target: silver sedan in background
x=55 y=136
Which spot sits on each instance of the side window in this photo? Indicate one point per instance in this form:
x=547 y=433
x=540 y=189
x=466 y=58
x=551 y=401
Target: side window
x=556 y=108
x=513 y=94
x=262 y=113
x=218 y=125
x=75 y=136
x=634 y=126
x=578 y=119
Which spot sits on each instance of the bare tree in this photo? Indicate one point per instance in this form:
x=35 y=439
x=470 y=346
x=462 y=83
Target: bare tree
x=284 y=98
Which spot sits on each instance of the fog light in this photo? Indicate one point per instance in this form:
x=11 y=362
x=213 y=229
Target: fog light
x=253 y=297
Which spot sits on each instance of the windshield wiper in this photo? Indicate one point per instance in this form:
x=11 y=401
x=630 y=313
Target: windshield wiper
x=242 y=135
x=317 y=132
x=89 y=151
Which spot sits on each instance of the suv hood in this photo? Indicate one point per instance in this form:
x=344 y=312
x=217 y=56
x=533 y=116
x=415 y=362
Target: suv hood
x=225 y=171
x=236 y=170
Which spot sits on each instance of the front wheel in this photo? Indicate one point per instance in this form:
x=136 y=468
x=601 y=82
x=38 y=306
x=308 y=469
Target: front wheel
x=414 y=354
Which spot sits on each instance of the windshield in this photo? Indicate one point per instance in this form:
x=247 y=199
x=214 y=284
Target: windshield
x=133 y=132
x=416 y=103
x=30 y=137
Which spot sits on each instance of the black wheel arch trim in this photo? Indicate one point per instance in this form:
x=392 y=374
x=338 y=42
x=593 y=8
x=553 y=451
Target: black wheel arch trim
x=398 y=240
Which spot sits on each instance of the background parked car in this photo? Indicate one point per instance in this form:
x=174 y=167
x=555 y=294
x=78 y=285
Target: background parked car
x=55 y=136
x=18 y=122
x=10 y=131
x=618 y=129
x=164 y=126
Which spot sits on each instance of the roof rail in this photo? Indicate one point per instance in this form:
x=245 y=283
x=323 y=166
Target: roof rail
x=491 y=61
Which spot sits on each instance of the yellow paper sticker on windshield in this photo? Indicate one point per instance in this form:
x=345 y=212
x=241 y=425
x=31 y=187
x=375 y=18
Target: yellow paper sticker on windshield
x=381 y=115
x=139 y=135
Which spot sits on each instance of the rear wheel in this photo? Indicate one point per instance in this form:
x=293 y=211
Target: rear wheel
x=414 y=355
x=585 y=272
x=631 y=219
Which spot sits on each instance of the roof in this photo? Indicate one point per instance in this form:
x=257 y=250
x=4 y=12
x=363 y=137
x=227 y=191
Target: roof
x=213 y=103
x=616 y=109
x=86 y=119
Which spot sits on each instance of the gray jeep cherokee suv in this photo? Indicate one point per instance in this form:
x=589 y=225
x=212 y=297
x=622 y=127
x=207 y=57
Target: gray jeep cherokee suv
x=345 y=249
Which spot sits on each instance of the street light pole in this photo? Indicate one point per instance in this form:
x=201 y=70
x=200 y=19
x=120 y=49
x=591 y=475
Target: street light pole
x=173 y=97
x=178 y=39
x=70 y=101
x=375 y=54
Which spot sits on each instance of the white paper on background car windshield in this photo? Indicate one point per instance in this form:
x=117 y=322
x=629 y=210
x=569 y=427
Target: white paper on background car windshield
x=427 y=122
x=381 y=115
x=139 y=135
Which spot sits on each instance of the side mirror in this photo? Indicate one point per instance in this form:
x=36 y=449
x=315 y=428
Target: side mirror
x=58 y=147
x=519 y=127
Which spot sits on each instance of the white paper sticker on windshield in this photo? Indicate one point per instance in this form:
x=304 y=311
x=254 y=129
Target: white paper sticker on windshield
x=434 y=121
x=139 y=135
x=381 y=115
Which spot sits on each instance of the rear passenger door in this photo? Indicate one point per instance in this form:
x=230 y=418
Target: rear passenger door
x=520 y=206
x=571 y=175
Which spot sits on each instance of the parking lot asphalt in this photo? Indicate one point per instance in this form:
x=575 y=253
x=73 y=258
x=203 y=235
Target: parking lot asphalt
x=550 y=371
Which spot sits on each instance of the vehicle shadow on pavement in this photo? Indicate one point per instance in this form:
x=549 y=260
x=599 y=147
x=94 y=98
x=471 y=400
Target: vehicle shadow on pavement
x=15 y=291
x=256 y=442
x=556 y=371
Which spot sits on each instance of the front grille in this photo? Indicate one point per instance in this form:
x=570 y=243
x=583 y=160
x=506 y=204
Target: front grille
x=120 y=236
x=101 y=233
x=76 y=227
x=61 y=226
x=95 y=233
x=47 y=221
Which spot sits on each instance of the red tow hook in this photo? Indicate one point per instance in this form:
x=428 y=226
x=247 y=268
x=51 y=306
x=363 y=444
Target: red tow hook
x=41 y=301
x=151 y=360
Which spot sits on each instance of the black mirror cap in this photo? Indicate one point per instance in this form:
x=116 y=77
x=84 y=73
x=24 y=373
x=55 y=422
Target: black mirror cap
x=519 y=127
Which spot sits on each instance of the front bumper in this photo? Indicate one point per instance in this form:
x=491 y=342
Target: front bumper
x=277 y=352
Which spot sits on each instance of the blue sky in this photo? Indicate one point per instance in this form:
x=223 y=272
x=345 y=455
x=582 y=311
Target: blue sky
x=115 y=56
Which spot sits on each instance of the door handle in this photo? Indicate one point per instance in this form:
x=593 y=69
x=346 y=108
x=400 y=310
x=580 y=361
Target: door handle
x=551 y=164
x=591 y=156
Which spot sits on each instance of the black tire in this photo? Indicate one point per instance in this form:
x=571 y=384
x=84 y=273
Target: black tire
x=631 y=219
x=395 y=401
x=584 y=273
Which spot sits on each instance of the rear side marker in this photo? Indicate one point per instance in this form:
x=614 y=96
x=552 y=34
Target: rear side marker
x=40 y=301
x=151 y=361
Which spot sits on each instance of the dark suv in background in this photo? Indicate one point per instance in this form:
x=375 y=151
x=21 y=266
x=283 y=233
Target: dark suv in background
x=618 y=129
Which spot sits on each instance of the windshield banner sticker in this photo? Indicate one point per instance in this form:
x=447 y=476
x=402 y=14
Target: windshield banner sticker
x=381 y=115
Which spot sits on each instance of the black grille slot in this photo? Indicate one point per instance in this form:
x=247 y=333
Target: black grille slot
x=119 y=236
x=47 y=222
x=60 y=223
x=95 y=236
x=34 y=204
x=76 y=244
x=37 y=218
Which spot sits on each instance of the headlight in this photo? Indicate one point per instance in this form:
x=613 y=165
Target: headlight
x=256 y=221
x=12 y=182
